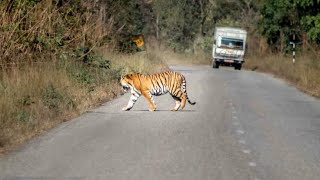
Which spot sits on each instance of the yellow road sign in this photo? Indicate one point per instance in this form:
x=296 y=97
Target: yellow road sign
x=138 y=40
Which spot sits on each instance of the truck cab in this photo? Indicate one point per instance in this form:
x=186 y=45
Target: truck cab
x=229 y=47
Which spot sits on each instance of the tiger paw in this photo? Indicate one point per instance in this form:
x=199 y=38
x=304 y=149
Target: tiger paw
x=125 y=109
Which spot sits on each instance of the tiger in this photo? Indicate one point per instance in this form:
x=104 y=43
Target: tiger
x=156 y=85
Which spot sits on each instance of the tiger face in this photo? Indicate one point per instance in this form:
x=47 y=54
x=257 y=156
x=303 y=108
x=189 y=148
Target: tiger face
x=126 y=82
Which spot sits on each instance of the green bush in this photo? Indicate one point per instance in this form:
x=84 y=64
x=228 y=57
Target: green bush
x=55 y=99
x=23 y=116
x=52 y=97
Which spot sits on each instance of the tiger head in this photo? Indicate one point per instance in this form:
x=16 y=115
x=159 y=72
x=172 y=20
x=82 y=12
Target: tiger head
x=131 y=81
x=126 y=82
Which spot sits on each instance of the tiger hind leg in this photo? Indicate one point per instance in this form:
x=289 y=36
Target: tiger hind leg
x=183 y=102
x=178 y=103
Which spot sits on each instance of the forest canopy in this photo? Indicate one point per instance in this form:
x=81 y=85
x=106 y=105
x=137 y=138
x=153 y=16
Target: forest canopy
x=35 y=25
x=180 y=23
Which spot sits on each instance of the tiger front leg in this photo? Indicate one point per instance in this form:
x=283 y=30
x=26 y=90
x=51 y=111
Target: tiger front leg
x=150 y=100
x=133 y=99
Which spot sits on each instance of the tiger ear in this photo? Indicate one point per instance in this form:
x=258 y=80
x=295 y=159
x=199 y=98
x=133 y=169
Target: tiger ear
x=126 y=76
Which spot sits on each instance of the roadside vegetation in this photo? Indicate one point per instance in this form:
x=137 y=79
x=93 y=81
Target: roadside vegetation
x=304 y=73
x=281 y=24
x=37 y=97
x=58 y=60
x=61 y=58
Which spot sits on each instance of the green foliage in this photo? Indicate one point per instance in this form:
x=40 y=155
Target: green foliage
x=128 y=20
x=312 y=25
x=179 y=22
x=52 y=97
x=279 y=16
x=114 y=74
x=89 y=57
x=23 y=116
x=47 y=42
x=3 y=87
x=309 y=11
x=307 y=4
x=288 y=17
x=90 y=67
x=207 y=44
x=81 y=74
x=30 y=28
x=26 y=101
x=228 y=21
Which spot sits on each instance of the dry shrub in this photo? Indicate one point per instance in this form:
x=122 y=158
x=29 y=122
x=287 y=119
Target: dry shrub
x=49 y=71
x=143 y=62
x=304 y=73
x=34 y=30
x=36 y=98
x=257 y=46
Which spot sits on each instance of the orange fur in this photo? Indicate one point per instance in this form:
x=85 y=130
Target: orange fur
x=155 y=85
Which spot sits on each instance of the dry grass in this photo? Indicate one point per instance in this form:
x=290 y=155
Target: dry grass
x=143 y=62
x=30 y=29
x=304 y=73
x=52 y=67
x=36 y=97
x=42 y=80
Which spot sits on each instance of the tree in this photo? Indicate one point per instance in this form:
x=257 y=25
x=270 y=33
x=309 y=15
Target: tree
x=127 y=19
x=279 y=21
x=177 y=21
x=309 y=11
x=283 y=19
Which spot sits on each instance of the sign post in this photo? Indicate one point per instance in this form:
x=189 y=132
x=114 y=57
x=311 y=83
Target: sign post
x=293 y=49
x=138 y=40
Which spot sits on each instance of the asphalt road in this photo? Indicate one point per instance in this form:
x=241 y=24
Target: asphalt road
x=245 y=126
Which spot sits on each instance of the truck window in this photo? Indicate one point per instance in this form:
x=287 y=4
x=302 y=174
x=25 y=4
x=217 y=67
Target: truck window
x=231 y=43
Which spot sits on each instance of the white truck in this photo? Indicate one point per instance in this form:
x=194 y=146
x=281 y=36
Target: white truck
x=229 y=47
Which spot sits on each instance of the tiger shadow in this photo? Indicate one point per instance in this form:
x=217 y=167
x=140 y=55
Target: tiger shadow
x=162 y=110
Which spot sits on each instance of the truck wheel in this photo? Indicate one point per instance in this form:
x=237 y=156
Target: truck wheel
x=237 y=66
x=216 y=65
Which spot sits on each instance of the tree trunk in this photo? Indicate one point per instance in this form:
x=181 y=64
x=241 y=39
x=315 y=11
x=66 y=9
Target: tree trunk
x=304 y=42
x=281 y=42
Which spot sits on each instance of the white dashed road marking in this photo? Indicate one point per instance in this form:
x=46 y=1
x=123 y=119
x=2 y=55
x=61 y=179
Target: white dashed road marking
x=236 y=123
x=242 y=141
x=252 y=164
x=240 y=131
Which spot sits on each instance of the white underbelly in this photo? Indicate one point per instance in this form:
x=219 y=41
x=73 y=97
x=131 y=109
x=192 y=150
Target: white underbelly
x=159 y=91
